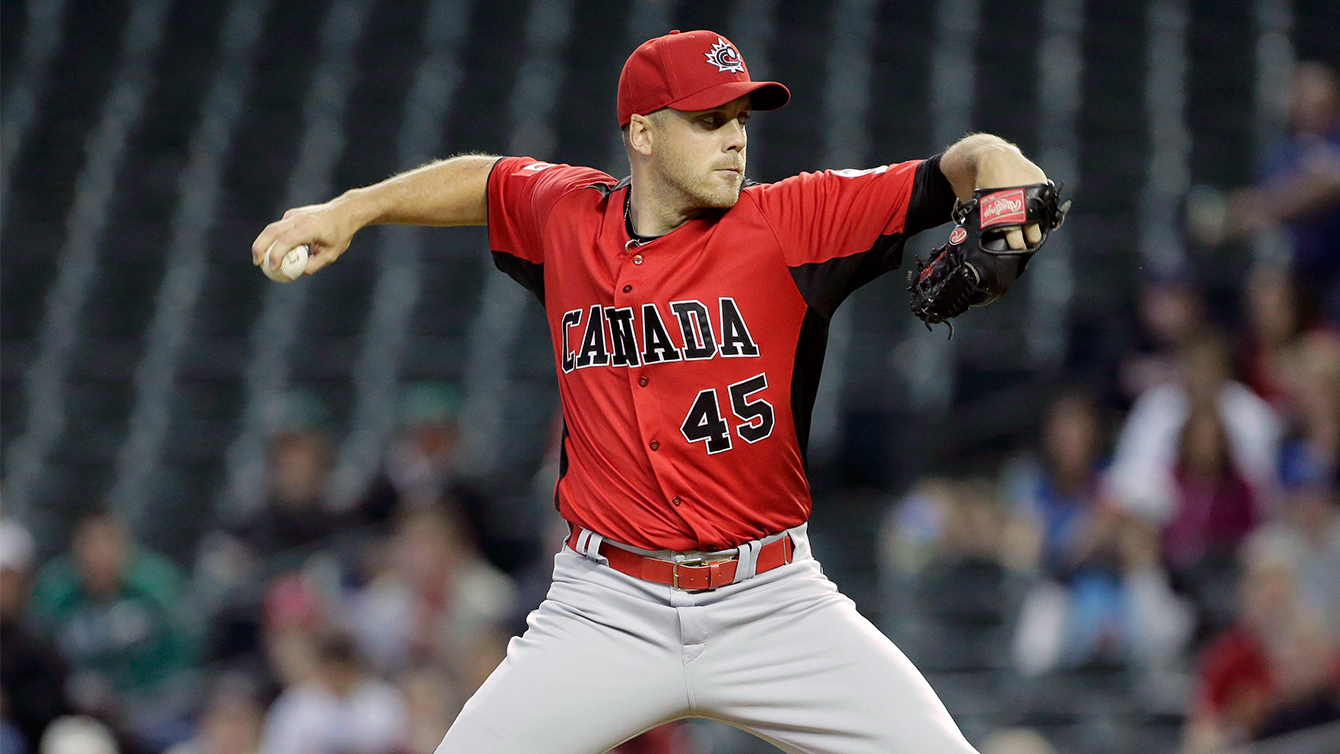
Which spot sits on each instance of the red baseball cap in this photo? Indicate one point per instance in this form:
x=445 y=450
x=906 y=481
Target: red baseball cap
x=695 y=70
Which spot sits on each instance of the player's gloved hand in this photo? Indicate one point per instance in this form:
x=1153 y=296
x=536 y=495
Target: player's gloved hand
x=326 y=229
x=987 y=251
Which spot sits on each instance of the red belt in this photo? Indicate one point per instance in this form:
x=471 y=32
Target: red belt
x=690 y=575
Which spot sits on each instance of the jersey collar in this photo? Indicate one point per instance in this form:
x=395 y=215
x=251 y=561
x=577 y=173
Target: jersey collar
x=634 y=238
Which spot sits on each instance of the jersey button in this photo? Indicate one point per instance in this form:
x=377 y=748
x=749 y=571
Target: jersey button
x=637 y=259
x=675 y=500
x=642 y=380
x=655 y=445
x=627 y=288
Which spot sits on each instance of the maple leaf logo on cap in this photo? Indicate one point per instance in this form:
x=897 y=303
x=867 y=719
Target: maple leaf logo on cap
x=724 y=57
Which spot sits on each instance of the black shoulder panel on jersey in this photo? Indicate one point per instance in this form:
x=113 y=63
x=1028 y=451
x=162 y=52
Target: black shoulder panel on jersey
x=529 y=274
x=809 y=365
x=606 y=189
x=824 y=285
x=562 y=461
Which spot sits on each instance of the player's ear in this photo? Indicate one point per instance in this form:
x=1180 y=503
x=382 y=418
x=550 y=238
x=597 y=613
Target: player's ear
x=640 y=135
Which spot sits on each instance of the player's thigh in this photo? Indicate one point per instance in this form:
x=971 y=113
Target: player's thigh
x=811 y=674
x=594 y=667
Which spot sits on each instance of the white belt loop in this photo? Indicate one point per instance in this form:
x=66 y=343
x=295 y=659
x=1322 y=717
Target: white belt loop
x=800 y=539
x=747 y=565
x=588 y=546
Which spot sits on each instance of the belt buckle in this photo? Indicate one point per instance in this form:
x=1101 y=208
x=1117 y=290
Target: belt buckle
x=698 y=561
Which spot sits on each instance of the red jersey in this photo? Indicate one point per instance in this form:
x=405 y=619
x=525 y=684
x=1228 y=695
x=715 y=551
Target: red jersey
x=688 y=364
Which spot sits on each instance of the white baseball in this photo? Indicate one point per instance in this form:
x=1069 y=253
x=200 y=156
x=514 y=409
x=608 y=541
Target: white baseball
x=290 y=267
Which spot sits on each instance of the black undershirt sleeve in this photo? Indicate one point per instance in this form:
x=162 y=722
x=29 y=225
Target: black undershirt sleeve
x=932 y=198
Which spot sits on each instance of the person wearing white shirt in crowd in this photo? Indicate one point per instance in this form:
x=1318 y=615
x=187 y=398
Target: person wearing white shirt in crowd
x=342 y=709
x=1142 y=478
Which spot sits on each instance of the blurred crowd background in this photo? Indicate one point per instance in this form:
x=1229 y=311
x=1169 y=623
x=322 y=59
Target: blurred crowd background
x=247 y=518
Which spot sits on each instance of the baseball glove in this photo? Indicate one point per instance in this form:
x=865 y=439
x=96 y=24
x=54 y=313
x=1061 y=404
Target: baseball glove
x=977 y=265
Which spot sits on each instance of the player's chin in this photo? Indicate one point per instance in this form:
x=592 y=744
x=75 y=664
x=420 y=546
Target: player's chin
x=723 y=192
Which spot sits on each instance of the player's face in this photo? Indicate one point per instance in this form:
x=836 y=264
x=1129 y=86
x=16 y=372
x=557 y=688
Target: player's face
x=702 y=153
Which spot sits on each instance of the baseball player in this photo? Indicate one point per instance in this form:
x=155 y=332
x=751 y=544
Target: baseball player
x=689 y=310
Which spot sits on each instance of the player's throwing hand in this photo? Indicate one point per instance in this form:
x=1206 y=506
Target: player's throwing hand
x=324 y=228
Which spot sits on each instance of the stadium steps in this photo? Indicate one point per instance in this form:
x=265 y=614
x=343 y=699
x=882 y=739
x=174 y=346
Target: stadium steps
x=1006 y=104
x=585 y=113
x=1221 y=87
x=689 y=16
x=338 y=303
x=793 y=137
x=42 y=189
x=13 y=25
x=100 y=386
x=1315 y=22
x=1221 y=81
x=1113 y=155
x=456 y=261
x=900 y=129
x=209 y=397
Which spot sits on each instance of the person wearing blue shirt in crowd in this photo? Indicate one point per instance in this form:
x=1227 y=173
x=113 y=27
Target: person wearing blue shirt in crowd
x=1299 y=190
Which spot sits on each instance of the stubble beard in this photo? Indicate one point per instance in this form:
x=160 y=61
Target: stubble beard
x=702 y=188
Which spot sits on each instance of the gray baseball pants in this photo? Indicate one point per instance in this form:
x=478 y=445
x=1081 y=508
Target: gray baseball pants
x=782 y=655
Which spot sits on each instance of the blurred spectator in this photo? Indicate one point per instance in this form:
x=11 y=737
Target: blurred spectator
x=12 y=741
x=236 y=563
x=116 y=611
x=32 y=675
x=431 y=704
x=230 y=722
x=1017 y=741
x=421 y=465
x=1196 y=458
x=1055 y=501
x=293 y=616
x=671 y=738
x=1275 y=322
x=1307 y=689
x=1272 y=670
x=422 y=468
x=1311 y=524
x=1311 y=404
x=295 y=520
x=943 y=519
x=1300 y=189
x=341 y=709
x=1099 y=598
x=77 y=734
x=437 y=600
x=1214 y=507
x=1171 y=315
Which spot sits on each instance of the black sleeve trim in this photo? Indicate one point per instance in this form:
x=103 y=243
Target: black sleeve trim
x=488 y=189
x=932 y=199
x=529 y=274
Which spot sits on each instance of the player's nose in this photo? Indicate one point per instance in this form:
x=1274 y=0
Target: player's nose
x=734 y=141
x=734 y=137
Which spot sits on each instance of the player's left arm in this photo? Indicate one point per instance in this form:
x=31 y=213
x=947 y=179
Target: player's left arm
x=987 y=161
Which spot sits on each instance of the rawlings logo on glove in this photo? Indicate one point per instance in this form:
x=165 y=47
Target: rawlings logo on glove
x=1003 y=208
x=977 y=265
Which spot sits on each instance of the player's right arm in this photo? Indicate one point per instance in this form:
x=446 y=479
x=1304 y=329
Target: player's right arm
x=444 y=193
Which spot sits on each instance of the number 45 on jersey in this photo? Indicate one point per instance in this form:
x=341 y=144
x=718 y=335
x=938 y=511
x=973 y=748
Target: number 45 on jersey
x=705 y=424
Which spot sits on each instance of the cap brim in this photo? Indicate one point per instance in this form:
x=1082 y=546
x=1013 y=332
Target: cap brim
x=763 y=95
